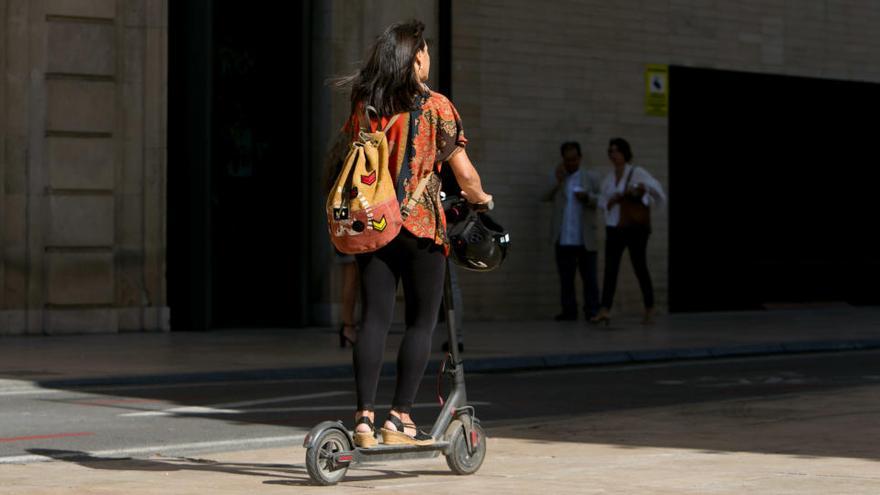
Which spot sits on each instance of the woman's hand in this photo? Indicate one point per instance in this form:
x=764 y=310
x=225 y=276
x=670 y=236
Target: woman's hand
x=617 y=198
x=637 y=190
x=482 y=200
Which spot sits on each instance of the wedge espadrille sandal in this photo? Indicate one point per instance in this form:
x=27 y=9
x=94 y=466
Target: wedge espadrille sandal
x=391 y=437
x=365 y=439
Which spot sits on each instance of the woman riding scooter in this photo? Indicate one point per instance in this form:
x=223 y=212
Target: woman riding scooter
x=427 y=133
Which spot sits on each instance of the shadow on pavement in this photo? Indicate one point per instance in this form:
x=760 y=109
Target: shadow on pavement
x=292 y=474
x=792 y=406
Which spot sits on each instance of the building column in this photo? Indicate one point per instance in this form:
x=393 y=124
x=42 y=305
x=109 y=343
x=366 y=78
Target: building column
x=83 y=190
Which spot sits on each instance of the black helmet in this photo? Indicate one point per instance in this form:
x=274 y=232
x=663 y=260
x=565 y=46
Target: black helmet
x=477 y=242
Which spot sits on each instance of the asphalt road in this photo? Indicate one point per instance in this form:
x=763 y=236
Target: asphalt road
x=217 y=417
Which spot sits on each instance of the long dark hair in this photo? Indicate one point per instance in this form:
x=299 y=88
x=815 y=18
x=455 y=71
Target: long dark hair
x=622 y=146
x=388 y=81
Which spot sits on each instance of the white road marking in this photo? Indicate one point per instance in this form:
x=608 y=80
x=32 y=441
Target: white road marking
x=225 y=383
x=227 y=408
x=208 y=410
x=28 y=391
x=24 y=387
x=174 y=411
x=153 y=449
x=9 y=386
x=343 y=408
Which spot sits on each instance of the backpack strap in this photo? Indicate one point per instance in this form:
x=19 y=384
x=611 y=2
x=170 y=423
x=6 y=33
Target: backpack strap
x=416 y=195
x=367 y=124
x=420 y=188
x=390 y=123
x=628 y=177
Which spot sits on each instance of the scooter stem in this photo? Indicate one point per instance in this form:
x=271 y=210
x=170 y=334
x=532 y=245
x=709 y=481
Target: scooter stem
x=458 y=395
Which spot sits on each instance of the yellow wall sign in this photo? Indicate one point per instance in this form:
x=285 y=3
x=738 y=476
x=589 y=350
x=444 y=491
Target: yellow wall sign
x=657 y=90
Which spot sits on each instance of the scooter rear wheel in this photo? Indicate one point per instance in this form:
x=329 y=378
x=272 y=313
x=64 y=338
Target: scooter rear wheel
x=319 y=462
x=461 y=461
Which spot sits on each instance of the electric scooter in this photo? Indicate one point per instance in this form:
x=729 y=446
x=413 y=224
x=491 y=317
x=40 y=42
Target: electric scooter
x=457 y=431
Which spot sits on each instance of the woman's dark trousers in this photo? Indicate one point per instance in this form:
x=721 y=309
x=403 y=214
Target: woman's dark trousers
x=616 y=241
x=421 y=265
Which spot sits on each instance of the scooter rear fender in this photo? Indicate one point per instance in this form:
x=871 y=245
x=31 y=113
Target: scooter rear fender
x=316 y=431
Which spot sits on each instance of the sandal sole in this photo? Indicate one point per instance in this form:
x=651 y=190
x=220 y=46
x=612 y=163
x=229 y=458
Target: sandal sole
x=391 y=437
x=364 y=440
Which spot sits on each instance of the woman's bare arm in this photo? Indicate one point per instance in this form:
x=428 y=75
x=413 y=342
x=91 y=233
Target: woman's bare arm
x=468 y=178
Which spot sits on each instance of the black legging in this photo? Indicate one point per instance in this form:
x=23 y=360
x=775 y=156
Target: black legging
x=616 y=240
x=422 y=266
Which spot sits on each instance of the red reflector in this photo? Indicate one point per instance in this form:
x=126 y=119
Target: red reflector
x=474 y=439
x=343 y=458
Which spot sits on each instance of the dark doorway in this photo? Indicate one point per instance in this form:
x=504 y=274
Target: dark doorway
x=772 y=187
x=237 y=247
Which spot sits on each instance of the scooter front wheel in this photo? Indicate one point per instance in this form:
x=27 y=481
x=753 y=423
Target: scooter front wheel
x=460 y=459
x=319 y=457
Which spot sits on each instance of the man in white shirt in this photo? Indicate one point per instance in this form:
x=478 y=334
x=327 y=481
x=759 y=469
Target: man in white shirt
x=575 y=196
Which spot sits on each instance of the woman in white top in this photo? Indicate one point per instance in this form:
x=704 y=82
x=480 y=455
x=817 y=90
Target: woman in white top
x=627 y=188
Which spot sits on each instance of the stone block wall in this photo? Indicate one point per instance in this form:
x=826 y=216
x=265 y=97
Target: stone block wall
x=529 y=76
x=83 y=130
x=82 y=166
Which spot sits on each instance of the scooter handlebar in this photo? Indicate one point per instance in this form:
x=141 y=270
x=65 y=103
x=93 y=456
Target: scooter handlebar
x=455 y=206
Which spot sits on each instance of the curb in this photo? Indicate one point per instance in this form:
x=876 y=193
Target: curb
x=514 y=363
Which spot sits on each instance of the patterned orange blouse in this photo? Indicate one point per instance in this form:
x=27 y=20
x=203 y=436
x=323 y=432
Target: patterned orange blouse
x=426 y=137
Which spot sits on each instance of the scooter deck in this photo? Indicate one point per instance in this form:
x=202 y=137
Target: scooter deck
x=400 y=449
x=382 y=453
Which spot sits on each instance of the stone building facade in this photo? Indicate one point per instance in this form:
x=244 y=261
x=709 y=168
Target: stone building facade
x=82 y=166
x=83 y=131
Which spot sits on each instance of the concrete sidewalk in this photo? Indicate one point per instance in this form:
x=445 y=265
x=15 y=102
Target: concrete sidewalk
x=313 y=352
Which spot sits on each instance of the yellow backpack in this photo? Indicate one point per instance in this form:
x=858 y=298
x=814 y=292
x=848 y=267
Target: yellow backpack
x=363 y=213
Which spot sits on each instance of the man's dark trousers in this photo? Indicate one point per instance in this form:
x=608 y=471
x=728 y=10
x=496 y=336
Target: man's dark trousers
x=576 y=258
